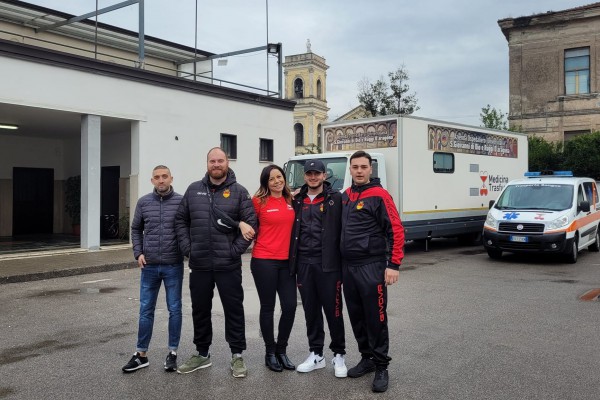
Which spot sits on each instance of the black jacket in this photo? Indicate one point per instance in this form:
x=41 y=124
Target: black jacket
x=199 y=238
x=331 y=225
x=371 y=227
x=153 y=228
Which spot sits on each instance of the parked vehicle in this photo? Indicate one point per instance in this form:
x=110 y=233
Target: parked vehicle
x=440 y=174
x=546 y=212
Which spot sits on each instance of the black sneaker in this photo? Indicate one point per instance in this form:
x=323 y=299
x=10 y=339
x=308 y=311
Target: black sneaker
x=365 y=366
x=171 y=362
x=136 y=363
x=380 y=382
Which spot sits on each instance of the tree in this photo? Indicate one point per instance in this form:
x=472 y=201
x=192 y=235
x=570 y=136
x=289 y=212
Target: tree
x=400 y=101
x=582 y=155
x=373 y=96
x=383 y=98
x=544 y=155
x=492 y=118
x=310 y=148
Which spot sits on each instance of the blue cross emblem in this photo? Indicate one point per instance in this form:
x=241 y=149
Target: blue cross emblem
x=511 y=215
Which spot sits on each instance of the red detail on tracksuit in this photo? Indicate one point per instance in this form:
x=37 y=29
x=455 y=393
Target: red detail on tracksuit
x=372 y=230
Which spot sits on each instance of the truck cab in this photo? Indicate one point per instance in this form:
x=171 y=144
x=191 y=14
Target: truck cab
x=337 y=167
x=545 y=212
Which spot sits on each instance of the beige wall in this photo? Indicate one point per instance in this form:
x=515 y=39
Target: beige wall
x=48 y=40
x=537 y=101
x=311 y=110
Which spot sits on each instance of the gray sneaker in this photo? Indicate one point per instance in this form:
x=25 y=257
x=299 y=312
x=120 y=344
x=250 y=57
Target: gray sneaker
x=195 y=362
x=238 y=367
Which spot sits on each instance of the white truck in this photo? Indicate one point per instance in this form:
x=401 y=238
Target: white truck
x=441 y=175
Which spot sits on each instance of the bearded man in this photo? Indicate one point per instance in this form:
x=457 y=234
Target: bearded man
x=207 y=226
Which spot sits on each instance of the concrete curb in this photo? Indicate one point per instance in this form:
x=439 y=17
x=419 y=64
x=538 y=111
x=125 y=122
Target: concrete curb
x=61 y=273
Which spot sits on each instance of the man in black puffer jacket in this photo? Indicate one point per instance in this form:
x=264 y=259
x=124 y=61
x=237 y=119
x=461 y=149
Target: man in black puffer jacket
x=315 y=257
x=156 y=250
x=208 y=234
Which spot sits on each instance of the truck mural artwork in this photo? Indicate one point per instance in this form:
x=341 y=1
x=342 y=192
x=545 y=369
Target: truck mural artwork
x=441 y=175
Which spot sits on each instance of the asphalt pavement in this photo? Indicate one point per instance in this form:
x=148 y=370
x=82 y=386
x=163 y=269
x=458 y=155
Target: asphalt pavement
x=462 y=326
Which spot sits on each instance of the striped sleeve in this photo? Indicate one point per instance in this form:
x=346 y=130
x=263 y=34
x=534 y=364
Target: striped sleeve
x=390 y=220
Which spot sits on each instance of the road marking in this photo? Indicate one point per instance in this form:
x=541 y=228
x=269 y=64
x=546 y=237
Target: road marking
x=99 y=280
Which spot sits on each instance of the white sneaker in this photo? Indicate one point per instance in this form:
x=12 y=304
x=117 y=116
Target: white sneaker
x=339 y=366
x=311 y=363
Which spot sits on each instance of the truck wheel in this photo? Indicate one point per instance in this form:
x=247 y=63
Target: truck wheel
x=494 y=254
x=469 y=239
x=571 y=254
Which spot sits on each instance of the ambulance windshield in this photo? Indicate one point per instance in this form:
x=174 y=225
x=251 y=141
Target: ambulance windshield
x=536 y=196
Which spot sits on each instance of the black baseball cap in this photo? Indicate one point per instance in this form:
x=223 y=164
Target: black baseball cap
x=314 y=165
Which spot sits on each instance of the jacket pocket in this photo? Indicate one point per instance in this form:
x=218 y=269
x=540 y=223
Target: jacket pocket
x=365 y=246
x=377 y=245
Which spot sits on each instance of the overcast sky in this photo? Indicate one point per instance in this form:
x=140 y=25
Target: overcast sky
x=454 y=51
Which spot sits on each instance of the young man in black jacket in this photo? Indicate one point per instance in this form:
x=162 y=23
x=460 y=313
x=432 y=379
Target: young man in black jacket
x=208 y=233
x=157 y=253
x=372 y=247
x=315 y=257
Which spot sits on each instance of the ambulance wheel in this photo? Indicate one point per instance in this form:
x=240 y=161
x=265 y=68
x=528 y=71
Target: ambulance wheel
x=571 y=254
x=494 y=254
x=595 y=247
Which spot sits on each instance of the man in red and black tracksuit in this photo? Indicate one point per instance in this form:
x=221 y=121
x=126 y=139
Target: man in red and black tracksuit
x=315 y=257
x=372 y=247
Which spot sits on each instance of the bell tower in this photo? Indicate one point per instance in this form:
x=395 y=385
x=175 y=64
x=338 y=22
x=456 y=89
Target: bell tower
x=305 y=83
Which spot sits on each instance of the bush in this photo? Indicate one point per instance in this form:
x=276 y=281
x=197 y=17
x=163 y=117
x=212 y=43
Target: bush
x=582 y=155
x=544 y=155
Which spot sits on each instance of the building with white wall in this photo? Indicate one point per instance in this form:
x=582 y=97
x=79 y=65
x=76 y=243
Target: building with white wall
x=111 y=121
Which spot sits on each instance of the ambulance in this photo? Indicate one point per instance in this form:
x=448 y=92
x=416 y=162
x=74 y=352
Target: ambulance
x=545 y=212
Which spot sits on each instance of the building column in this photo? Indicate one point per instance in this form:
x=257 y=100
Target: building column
x=134 y=188
x=90 y=182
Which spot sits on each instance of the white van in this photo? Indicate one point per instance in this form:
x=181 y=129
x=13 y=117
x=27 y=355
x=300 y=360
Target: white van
x=546 y=212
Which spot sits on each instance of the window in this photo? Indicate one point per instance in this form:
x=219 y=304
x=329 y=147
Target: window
x=375 y=167
x=319 y=89
x=568 y=135
x=580 y=197
x=591 y=192
x=298 y=88
x=577 y=71
x=266 y=150
x=299 y=131
x=319 y=137
x=229 y=145
x=443 y=162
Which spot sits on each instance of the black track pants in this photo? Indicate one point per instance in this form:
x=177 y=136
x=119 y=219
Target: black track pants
x=229 y=284
x=321 y=292
x=366 y=300
x=273 y=277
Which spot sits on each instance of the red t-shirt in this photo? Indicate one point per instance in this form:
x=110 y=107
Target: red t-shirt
x=275 y=220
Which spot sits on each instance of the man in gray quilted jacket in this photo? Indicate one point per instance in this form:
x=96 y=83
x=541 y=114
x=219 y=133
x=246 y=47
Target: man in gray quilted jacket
x=156 y=250
x=209 y=232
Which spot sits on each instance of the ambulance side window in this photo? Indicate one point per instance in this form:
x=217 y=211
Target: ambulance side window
x=591 y=192
x=580 y=197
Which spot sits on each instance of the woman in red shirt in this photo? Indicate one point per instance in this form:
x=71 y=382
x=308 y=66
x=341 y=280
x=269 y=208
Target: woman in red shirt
x=269 y=264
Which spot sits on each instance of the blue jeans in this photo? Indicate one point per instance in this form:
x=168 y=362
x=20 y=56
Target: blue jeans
x=152 y=277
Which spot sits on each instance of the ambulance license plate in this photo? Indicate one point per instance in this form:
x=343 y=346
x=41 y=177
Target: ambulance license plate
x=520 y=239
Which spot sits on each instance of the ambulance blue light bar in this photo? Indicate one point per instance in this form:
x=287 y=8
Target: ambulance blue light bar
x=534 y=174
